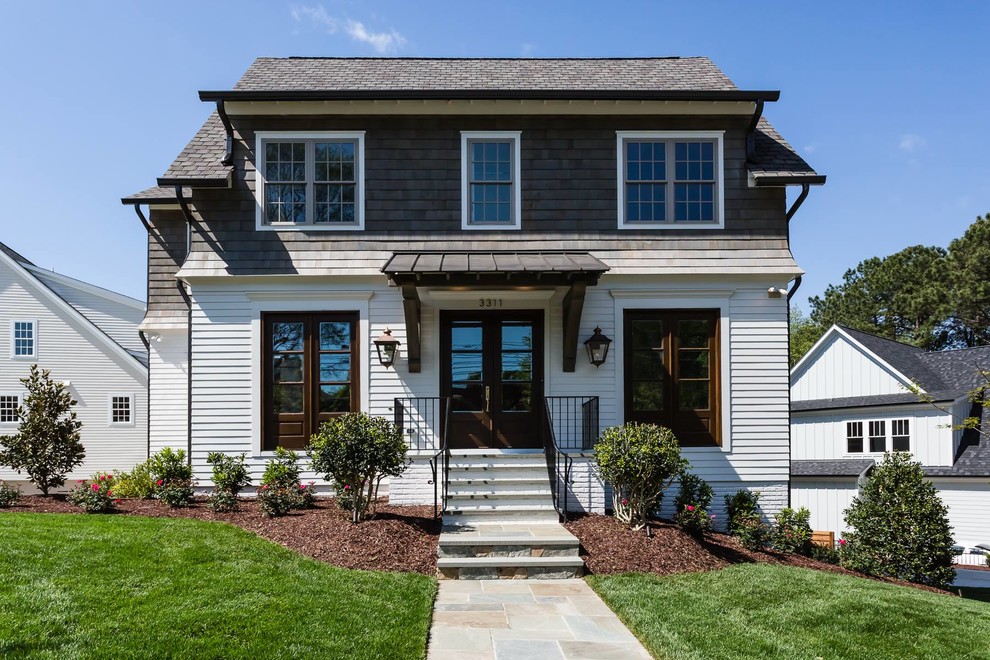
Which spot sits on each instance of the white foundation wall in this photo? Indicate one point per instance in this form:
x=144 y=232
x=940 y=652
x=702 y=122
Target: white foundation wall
x=969 y=508
x=826 y=499
x=822 y=435
x=226 y=363
x=414 y=486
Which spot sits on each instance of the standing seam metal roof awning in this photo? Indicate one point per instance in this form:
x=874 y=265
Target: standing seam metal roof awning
x=577 y=270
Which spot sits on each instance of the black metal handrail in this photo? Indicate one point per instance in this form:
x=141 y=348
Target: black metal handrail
x=571 y=422
x=425 y=421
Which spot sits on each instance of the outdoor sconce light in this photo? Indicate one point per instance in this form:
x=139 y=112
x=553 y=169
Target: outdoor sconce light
x=597 y=346
x=387 y=345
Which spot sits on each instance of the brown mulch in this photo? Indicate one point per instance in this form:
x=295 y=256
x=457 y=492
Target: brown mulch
x=608 y=547
x=396 y=538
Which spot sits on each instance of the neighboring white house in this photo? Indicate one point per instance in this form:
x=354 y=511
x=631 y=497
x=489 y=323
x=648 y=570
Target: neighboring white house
x=87 y=337
x=850 y=403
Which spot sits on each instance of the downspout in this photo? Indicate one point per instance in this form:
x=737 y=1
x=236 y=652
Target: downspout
x=228 y=158
x=751 y=131
x=144 y=337
x=187 y=214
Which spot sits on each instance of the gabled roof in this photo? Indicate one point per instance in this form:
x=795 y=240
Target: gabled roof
x=23 y=268
x=852 y=467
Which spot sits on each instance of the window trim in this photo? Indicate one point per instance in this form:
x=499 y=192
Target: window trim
x=130 y=398
x=20 y=402
x=34 y=340
x=867 y=424
x=620 y=167
x=516 y=198
x=259 y=182
x=907 y=426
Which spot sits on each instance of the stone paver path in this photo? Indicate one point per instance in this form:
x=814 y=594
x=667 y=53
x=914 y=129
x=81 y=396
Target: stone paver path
x=519 y=619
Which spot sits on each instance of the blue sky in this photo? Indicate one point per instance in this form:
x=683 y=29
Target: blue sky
x=890 y=100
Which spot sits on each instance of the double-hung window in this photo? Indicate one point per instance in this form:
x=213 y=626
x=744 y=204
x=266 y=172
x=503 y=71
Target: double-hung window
x=878 y=436
x=854 y=437
x=121 y=410
x=9 y=409
x=310 y=180
x=670 y=179
x=23 y=339
x=490 y=173
x=900 y=435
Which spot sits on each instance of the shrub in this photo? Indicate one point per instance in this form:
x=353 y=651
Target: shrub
x=743 y=506
x=277 y=500
x=639 y=461
x=280 y=490
x=283 y=469
x=358 y=451
x=825 y=554
x=307 y=496
x=95 y=495
x=8 y=495
x=900 y=527
x=138 y=483
x=792 y=532
x=691 y=504
x=173 y=477
x=753 y=533
x=230 y=475
x=46 y=446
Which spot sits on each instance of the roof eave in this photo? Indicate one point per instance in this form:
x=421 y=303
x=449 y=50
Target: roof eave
x=419 y=94
x=766 y=180
x=196 y=182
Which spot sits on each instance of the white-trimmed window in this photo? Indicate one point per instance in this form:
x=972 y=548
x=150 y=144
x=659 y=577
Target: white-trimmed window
x=878 y=436
x=312 y=180
x=490 y=179
x=668 y=179
x=854 y=437
x=23 y=339
x=900 y=435
x=121 y=411
x=9 y=405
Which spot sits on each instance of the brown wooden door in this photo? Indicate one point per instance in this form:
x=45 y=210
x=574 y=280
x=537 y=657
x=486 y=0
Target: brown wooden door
x=310 y=374
x=492 y=368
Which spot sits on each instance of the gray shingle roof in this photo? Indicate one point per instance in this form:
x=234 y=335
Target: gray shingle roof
x=872 y=401
x=903 y=357
x=776 y=161
x=161 y=194
x=495 y=74
x=200 y=160
x=838 y=468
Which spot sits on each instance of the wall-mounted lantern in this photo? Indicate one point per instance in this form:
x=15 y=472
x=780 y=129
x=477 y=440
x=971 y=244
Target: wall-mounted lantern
x=387 y=346
x=597 y=346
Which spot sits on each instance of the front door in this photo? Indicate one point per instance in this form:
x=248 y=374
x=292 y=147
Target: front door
x=492 y=368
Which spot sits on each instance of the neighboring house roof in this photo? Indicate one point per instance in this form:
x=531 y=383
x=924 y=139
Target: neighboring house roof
x=199 y=164
x=973 y=459
x=99 y=335
x=837 y=468
x=873 y=401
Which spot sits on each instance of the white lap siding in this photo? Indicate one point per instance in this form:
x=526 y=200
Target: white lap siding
x=826 y=499
x=168 y=373
x=969 y=508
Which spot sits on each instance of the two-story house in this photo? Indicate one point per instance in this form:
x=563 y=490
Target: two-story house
x=852 y=400
x=502 y=220
x=88 y=338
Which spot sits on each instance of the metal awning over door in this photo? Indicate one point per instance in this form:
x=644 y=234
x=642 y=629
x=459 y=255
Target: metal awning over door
x=575 y=270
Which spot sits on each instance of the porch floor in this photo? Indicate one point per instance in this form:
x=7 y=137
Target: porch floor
x=501 y=620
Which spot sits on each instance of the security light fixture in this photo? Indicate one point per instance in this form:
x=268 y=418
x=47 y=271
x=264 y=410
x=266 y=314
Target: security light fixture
x=597 y=346
x=387 y=346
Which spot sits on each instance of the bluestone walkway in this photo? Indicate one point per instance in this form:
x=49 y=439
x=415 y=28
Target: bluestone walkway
x=518 y=619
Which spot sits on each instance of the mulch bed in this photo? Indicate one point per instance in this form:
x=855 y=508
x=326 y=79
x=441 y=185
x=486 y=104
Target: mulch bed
x=608 y=547
x=397 y=538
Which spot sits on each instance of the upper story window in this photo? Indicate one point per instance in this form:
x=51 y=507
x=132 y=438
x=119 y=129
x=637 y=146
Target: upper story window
x=310 y=180
x=899 y=438
x=490 y=185
x=878 y=436
x=900 y=435
x=670 y=179
x=9 y=408
x=24 y=339
x=854 y=437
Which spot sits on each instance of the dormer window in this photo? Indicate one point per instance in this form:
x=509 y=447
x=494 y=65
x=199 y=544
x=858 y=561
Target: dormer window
x=310 y=180
x=669 y=180
x=490 y=173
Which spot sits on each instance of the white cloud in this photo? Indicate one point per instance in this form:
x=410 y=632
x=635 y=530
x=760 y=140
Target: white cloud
x=911 y=143
x=527 y=49
x=810 y=149
x=383 y=42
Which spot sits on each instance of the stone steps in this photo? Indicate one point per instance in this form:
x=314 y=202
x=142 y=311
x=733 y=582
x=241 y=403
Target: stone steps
x=484 y=552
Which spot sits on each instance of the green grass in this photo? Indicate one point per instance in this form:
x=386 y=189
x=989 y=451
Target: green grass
x=763 y=611
x=92 y=586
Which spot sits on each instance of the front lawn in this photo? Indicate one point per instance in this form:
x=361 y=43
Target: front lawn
x=88 y=586
x=766 y=611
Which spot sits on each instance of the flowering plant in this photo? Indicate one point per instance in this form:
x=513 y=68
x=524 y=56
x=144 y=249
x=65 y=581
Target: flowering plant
x=173 y=477
x=280 y=490
x=691 y=505
x=95 y=495
x=8 y=495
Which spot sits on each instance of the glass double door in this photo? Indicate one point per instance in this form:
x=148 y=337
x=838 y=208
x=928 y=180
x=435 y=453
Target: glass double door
x=492 y=368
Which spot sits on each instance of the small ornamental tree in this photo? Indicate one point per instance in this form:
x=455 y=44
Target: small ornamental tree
x=357 y=451
x=47 y=445
x=639 y=461
x=900 y=527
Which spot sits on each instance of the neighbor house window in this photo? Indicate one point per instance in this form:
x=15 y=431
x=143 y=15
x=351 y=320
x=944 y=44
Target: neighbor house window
x=310 y=374
x=878 y=436
x=315 y=181
x=121 y=409
x=23 y=339
x=854 y=437
x=671 y=372
x=900 y=435
x=490 y=171
x=669 y=179
x=9 y=404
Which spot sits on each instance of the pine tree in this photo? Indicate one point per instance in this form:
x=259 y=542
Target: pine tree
x=47 y=445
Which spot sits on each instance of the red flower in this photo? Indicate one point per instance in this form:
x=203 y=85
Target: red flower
x=347 y=486
x=624 y=501
x=117 y=501
x=109 y=494
x=159 y=482
x=689 y=507
x=264 y=487
x=96 y=486
x=842 y=541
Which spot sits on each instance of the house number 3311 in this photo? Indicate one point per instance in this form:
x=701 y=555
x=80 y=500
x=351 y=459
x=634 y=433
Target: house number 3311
x=489 y=302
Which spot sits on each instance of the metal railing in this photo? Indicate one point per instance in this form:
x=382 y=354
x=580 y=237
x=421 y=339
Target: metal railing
x=571 y=423
x=425 y=422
